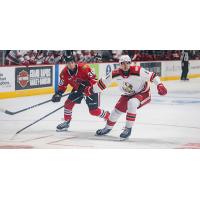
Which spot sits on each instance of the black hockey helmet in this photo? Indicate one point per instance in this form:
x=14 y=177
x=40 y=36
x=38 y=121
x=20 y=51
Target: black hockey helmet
x=69 y=59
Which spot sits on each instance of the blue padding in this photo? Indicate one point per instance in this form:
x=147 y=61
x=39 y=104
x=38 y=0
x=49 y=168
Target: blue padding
x=56 y=77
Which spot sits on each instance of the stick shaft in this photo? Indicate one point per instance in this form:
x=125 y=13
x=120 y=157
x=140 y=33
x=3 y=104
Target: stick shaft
x=39 y=119
x=28 y=108
x=45 y=116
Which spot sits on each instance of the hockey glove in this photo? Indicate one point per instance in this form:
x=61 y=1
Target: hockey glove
x=57 y=97
x=161 y=89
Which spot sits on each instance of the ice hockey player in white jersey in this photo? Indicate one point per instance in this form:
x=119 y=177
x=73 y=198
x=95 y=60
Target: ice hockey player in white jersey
x=134 y=83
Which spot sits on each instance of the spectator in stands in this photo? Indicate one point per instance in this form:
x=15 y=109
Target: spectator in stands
x=16 y=57
x=107 y=56
x=116 y=55
x=175 y=55
x=32 y=57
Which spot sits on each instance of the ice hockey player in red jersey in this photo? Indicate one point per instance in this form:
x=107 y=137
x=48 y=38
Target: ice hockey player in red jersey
x=134 y=83
x=81 y=78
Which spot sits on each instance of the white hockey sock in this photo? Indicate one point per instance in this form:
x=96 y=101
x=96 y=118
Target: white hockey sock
x=131 y=112
x=114 y=116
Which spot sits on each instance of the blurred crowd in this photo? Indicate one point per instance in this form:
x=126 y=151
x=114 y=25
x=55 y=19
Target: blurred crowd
x=32 y=57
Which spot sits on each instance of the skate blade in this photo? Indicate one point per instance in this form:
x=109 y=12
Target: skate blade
x=62 y=130
x=124 y=139
x=107 y=138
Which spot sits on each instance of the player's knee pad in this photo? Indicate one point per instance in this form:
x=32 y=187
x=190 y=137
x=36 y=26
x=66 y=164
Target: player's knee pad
x=133 y=104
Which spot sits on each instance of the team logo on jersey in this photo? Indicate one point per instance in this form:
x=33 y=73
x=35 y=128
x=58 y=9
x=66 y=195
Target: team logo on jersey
x=23 y=78
x=127 y=87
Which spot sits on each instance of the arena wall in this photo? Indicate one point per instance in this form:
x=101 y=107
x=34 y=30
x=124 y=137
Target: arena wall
x=18 y=81
x=26 y=81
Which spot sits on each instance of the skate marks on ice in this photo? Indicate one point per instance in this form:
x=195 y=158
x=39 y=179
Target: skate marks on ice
x=15 y=146
x=87 y=139
x=77 y=139
x=137 y=142
x=47 y=139
x=107 y=138
x=62 y=141
x=33 y=139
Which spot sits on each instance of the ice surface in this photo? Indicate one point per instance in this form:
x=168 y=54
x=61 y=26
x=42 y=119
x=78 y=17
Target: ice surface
x=171 y=121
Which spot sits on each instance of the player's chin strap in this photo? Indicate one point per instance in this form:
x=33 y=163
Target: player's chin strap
x=45 y=116
x=28 y=108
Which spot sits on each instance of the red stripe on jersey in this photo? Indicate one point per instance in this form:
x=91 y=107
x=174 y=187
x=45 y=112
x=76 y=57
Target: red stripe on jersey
x=99 y=86
x=116 y=73
x=152 y=76
x=102 y=84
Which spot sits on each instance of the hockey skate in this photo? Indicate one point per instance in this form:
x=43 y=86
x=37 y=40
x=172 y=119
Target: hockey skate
x=103 y=131
x=63 y=126
x=126 y=133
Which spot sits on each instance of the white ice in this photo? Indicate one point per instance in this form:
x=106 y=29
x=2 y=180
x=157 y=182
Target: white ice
x=171 y=121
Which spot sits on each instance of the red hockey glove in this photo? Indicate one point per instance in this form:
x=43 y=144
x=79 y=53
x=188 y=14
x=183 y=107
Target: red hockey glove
x=161 y=89
x=88 y=91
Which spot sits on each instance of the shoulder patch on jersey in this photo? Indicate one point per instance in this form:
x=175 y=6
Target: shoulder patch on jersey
x=135 y=70
x=85 y=67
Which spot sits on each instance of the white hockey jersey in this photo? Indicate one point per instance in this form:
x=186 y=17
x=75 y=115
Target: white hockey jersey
x=134 y=81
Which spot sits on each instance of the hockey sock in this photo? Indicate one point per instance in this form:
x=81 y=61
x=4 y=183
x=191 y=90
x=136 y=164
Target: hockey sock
x=68 y=109
x=131 y=112
x=130 y=119
x=114 y=116
x=100 y=113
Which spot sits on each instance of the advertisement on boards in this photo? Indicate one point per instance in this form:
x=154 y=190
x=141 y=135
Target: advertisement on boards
x=7 y=79
x=33 y=77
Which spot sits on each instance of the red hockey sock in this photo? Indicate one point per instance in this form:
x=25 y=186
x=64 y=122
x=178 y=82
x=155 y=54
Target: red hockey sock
x=100 y=113
x=68 y=109
x=110 y=124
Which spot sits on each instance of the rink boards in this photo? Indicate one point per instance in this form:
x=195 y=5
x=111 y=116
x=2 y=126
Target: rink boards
x=18 y=81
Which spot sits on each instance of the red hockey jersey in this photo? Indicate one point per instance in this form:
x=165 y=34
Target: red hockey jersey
x=83 y=74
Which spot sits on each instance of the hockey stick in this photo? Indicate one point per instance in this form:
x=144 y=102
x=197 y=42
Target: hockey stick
x=28 y=108
x=44 y=117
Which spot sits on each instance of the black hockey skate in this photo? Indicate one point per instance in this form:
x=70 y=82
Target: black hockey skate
x=63 y=126
x=103 y=131
x=126 y=133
